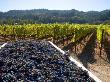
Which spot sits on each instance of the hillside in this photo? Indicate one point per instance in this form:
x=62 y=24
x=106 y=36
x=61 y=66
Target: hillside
x=54 y=16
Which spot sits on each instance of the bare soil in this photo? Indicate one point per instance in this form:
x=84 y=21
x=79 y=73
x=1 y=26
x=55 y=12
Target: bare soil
x=88 y=53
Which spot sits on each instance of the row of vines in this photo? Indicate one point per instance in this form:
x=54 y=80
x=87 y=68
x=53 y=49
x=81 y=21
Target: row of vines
x=55 y=31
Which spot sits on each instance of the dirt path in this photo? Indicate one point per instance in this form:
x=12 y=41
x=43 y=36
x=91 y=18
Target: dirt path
x=88 y=55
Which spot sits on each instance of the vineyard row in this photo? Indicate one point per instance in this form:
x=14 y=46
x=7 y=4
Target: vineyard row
x=54 y=31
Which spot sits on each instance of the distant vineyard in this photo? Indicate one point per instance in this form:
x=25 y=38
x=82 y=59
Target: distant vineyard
x=54 y=31
x=44 y=30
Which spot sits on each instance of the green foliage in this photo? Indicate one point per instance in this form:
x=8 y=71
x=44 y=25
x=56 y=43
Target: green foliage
x=99 y=33
x=54 y=16
x=57 y=31
x=81 y=31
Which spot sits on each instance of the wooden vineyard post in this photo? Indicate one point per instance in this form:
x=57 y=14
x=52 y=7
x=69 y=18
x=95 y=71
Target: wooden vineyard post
x=63 y=41
x=4 y=33
x=13 y=34
x=24 y=34
x=67 y=36
x=54 y=35
x=37 y=32
x=101 y=42
x=75 y=39
x=34 y=35
x=63 y=36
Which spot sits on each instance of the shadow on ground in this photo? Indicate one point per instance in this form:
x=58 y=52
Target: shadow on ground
x=107 y=47
x=71 y=45
x=87 y=55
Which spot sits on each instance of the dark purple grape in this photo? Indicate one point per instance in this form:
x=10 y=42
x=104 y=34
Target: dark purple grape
x=38 y=61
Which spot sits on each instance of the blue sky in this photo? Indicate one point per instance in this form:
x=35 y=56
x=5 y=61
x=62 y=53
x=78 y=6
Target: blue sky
x=82 y=5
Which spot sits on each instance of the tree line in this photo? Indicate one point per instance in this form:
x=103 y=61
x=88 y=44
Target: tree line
x=54 y=16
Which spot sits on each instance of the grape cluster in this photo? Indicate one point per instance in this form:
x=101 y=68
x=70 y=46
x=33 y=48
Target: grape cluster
x=38 y=61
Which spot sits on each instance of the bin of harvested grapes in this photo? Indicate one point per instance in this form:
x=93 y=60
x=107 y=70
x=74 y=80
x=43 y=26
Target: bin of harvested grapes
x=38 y=61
